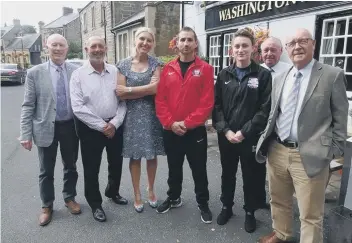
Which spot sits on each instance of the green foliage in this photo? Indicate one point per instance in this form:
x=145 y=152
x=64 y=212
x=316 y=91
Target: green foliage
x=28 y=29
x=166 y=59
x=74 y=50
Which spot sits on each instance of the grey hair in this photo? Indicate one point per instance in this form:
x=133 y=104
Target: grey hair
x=277 y=41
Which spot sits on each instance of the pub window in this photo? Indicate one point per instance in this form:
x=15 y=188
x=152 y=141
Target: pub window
x=226 y=50
x=214 y=53
x=336 y=45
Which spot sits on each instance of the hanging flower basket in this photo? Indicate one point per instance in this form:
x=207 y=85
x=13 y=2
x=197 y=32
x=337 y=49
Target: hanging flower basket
x=260 y=35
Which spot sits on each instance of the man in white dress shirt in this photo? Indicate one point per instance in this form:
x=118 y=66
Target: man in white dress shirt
x=271 y=53
x=99 y=116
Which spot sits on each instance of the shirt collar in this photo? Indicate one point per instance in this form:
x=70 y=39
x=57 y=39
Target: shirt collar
x=53 y=65
x=91 y=69
x=306 y=70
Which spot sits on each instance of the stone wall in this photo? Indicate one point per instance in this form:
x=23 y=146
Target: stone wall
x=98 y=30
x=167 y=25
x=124 y=9
x=72 y=31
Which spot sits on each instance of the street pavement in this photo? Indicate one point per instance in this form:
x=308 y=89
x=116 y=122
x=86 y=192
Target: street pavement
x=20 y=201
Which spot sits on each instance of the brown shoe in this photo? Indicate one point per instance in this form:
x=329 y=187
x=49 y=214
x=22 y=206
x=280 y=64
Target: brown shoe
x=271 y=238
x=73 y=207
x=45 y=216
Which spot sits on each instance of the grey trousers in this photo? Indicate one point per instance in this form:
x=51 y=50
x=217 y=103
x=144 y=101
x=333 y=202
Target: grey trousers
x=65 y=134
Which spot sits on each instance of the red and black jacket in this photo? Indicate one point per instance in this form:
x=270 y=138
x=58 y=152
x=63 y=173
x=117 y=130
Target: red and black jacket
x=189 y=98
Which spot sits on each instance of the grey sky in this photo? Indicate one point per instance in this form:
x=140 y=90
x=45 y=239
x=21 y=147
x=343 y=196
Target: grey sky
x=32 y=12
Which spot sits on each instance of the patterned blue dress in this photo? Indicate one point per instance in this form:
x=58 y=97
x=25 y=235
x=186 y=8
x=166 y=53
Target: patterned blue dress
x=142 y=135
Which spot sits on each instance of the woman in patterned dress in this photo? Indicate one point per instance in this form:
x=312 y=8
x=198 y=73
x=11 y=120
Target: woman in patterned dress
x=138 y=78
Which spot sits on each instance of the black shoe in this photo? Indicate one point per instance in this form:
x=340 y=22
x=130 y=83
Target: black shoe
x=167 y=204
x=206 y=215
x=99 y=215
x=250 y=223
x=225 y=215
x=119 y=200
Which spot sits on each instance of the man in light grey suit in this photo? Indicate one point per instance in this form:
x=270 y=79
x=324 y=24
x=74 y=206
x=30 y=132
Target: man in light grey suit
x=306 y=129
x=47 y=118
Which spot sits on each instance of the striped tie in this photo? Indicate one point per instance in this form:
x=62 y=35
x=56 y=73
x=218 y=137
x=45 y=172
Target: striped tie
x=285 y=120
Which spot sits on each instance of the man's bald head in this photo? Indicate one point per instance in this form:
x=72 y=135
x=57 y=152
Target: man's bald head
x=96 y=49
x=94 y=39
x=271 y=51
x=58 y=47
x=56 y=37
x=300 y=47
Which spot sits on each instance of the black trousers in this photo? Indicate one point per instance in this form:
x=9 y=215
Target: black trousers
x=65 y=134
x=92 y=145
x=193 y=145
x=253 y=173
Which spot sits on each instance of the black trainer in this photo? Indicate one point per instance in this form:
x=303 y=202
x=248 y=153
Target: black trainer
x=205 y=214
x=225 y=215
x=168 y=204
x=250 y=223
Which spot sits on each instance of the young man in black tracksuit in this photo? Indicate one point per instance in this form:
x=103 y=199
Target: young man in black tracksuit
x=242 y=107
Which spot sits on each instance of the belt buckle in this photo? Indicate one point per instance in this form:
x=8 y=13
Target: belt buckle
x=293 y=145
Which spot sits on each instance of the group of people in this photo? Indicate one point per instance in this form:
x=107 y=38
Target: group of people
x=262 y=114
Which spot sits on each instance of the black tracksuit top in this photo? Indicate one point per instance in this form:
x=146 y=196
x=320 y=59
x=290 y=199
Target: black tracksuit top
x=242 y=104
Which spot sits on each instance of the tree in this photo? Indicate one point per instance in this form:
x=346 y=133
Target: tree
x=74 y=50
x=28 y=29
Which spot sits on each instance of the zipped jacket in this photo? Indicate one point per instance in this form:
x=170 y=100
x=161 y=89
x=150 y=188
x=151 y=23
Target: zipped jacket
x=242 y=104
x=189 y=98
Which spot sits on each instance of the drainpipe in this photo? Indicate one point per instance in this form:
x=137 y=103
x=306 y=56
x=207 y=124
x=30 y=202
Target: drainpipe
x=183 y=14
x=113 y=32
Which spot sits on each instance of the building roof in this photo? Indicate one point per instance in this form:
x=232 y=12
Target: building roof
x=6 y=29
x=28 y=41
x=130 y=20
x=63 y=20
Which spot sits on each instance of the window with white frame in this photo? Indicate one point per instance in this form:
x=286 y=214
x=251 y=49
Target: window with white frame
x=226 y=50
x=336 y=45
x=85 y=24
x=214 y=53
x=122 y=43
x=93 y=17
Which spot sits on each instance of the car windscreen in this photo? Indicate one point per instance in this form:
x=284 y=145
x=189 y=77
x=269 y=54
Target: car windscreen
x=8 y=66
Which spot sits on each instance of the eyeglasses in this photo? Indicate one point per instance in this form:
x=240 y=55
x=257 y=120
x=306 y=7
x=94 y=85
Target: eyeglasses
x=301 y=42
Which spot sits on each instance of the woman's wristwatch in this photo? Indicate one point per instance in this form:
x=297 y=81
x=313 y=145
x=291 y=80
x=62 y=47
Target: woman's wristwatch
x=129 y=89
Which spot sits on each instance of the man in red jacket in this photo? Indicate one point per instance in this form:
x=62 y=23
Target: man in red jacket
x=184 y=101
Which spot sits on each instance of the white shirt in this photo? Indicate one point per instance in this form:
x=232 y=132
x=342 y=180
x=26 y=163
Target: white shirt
x=306 y=72
x=278 y=68
x=93 y=96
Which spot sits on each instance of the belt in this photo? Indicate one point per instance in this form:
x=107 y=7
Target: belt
x=287 y=144
x=64 y=121
x=107 y=119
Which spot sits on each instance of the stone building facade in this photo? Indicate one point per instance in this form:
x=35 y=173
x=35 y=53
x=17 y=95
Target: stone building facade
x=98 y=18
x=162 y=17
x=67 y=25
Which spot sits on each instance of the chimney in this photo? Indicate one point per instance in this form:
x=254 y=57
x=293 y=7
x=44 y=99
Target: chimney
x=66 y=11
x=16 y=22
x=41 y=25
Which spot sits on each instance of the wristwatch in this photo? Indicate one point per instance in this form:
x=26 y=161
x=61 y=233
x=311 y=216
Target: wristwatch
x=129 y=89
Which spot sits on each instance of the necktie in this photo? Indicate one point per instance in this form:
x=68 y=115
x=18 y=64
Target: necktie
x=61 y=101
x=285 y=120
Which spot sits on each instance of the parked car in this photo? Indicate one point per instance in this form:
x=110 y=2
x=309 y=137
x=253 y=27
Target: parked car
x=77 y=62
x=12 y=73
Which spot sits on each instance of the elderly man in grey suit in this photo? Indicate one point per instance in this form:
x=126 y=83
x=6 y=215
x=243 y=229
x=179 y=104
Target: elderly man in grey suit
x=47 y=118
x=306 y=129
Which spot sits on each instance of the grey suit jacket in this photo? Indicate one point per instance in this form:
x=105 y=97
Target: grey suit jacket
x=39 y=106
x=322 y=122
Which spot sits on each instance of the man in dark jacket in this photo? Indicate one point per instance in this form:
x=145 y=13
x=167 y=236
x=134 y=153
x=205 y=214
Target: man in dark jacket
x=242 y=106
